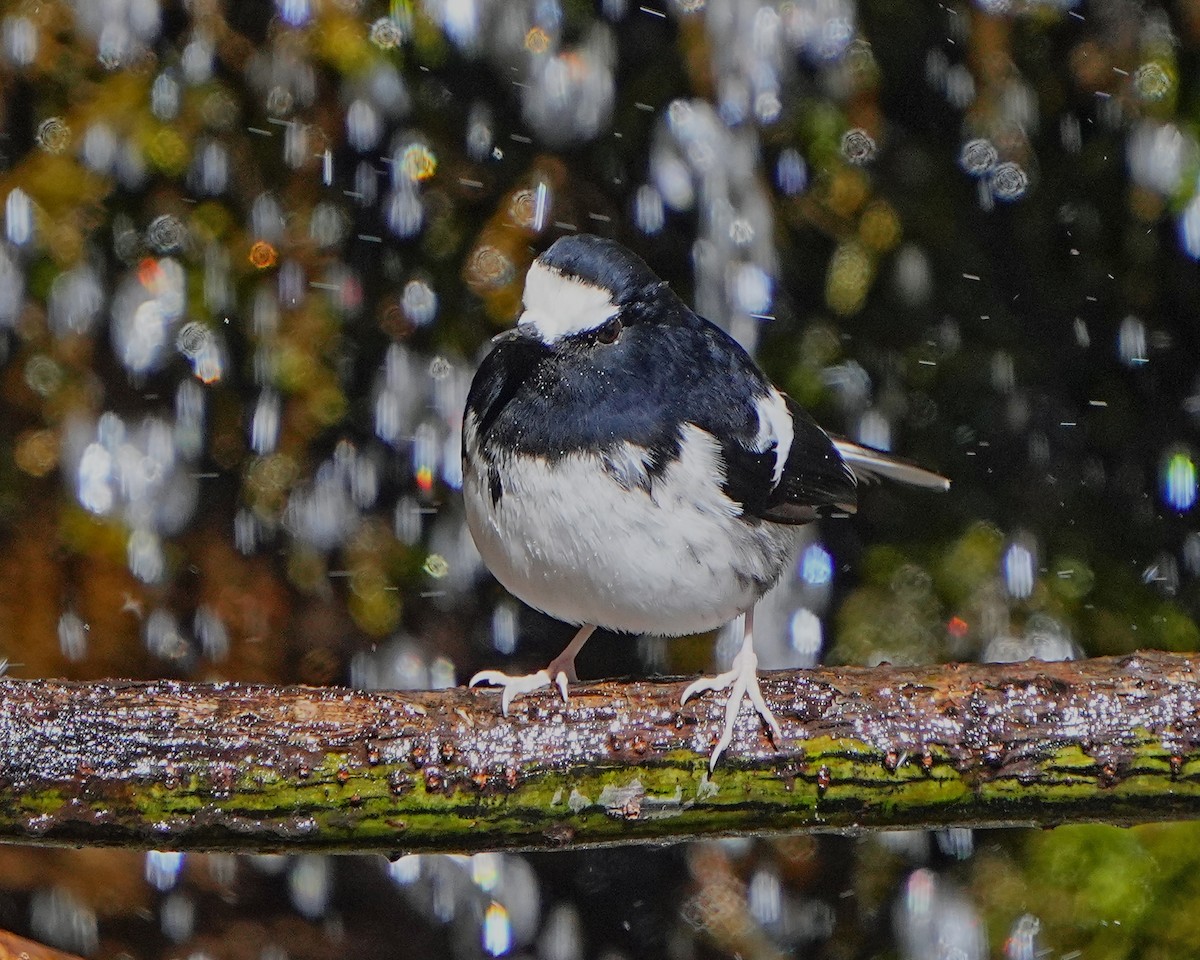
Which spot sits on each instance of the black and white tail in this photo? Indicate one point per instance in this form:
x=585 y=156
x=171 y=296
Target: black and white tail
x=869 y=465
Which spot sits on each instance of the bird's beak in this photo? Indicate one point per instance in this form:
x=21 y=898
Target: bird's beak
x=522 y=331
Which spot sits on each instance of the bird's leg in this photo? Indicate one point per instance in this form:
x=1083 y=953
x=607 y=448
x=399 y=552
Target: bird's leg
x=558 y=671
x=741 y=680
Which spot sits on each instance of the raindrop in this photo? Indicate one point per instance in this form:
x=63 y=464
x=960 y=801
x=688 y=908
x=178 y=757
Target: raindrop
x=386 y=33
x=791 y=173
x=1158 y=154
x=53 y=135
x=442 y=675
x=1020 y=565
x=480 y=138
x=960 y=87
x=95 y=489
x=934 y=920
x=648 y=211
x=295 y=13
x=816 y=565
x=210 y=631
x=99 y=147
x=913 y=275
x=18 y=217
x=165 y=96
x=366 y=184
x=485 y=870
x=673 y=180
x=858 y=147
x=309 y=883
x=407 y=521
x=329 y=225
x=504 y=627
x=419 y=302
x=415 y=163
x=43 y=375
x=192 y=338
x=956 y=842
x=489 y=268
x=246 y=531
x=562 y=934
x=295 y=145
x=978 y=157
x=162 y=868
x=321 y=514
x=266 y=218
x=75 y=301
x=177 y=916
x=72 y=636
x=20 y=39
x=405 y=870
x=60 y=920
x=1151 y=82
x=131 y=166
x=1008 y=181
x=1163 y=575
x=541 y=207
x=874 y=430
x=292 y=283
x=497 y=931
x=1131 y=341
x=1188 y=228
x=364 y=128
x=166 y=234
x=144 y=555
x=264 y=424
x=805 y=637
x=280 y=101
x=751 y=289
x=1022 y=942
x=765 y=897
x=1191 y=553
x=405 y=212
x=265 y=312
x=1177 y=474
x=113 y=45
x=1070 y=133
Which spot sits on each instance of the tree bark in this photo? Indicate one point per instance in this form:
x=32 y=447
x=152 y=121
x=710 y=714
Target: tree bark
x=243 y=767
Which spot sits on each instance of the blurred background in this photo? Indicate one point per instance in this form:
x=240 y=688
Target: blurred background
x=252 y=252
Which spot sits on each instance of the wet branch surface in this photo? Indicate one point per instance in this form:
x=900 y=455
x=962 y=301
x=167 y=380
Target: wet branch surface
x=246 y=767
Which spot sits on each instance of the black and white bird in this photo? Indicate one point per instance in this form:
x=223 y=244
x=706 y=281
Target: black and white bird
x=627 y=465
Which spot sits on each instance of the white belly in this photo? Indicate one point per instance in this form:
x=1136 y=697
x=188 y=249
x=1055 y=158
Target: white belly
x=569 y=539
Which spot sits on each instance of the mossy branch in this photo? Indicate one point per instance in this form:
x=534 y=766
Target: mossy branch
x=243 y=767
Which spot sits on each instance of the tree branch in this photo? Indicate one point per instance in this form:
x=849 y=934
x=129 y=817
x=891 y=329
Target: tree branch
x=232 y=766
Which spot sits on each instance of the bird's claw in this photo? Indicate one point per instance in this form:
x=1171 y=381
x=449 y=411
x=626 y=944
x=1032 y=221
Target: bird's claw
x=514 y=687
x=742 y=683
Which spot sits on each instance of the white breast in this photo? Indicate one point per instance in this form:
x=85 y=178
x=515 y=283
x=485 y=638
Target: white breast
x=569 y=538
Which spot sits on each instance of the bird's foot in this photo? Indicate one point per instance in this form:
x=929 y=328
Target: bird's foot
x=742 y=683
x=514 y=687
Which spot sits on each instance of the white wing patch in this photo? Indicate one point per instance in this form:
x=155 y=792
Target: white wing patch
x=774 y=430
x=558 y=306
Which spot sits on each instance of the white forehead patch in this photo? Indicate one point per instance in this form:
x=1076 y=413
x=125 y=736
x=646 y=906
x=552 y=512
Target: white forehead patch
x=557 y=306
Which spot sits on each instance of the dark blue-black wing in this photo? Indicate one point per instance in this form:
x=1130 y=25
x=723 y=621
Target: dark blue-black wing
x=814 y=478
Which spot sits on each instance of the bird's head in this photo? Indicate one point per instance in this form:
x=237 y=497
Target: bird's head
x=585 y=290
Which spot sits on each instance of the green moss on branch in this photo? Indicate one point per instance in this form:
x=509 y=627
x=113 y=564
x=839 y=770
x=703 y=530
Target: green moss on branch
x=263 y=768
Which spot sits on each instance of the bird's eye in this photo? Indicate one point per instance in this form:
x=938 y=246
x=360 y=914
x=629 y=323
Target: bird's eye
x=609 y=332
